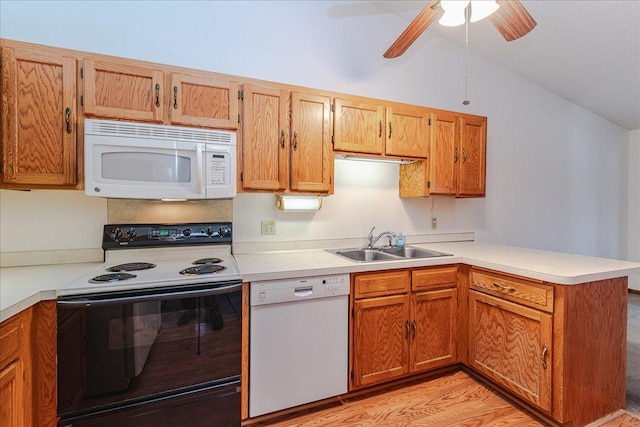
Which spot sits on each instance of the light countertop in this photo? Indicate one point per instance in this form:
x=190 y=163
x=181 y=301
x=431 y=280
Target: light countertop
x=21 y=287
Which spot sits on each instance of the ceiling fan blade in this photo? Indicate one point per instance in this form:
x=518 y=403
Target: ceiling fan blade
x=413 y=31
x=512 y=20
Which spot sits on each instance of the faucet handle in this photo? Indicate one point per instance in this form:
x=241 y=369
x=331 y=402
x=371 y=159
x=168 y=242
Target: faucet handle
x=370 y=236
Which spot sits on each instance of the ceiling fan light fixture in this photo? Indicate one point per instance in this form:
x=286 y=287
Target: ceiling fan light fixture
x=453 y=12
x=480 y=9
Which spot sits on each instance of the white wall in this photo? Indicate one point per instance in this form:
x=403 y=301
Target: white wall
x=556 y=173
x=633 y=247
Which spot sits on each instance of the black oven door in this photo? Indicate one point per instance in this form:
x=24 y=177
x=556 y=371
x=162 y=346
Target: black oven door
x=141 y=357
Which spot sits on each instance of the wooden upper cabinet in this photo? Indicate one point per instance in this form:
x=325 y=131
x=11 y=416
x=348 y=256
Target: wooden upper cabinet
x=473 y=147
x=358 y=127
x=407 y=132
x=444 y=154
x=265 y=139
x=203 y=101
x=310 y=149
x=39 y=132
x=121 y=90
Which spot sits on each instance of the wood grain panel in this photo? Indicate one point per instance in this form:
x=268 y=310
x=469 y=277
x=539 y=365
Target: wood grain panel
x=36 y=143
x=381 y=283
x=590 y=350
x=203 y=101
x=413 y=181
x=523 y=292
x=407 y=132
x=434 y=278
x=359 y=126
x=310 y=149
x=11 y=336
x=434 y=327
x=473 y=147
x=12 y=406
x=265 y=129
x=507 y=344
x=444 y=157
x=118 y=89
x=380 y=339
x=44 y=349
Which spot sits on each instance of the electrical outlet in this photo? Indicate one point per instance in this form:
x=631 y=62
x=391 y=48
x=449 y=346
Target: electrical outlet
x=268 y=227
x=434 y=223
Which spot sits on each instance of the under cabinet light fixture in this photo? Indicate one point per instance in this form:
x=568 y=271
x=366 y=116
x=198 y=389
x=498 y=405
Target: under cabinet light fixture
x=290 y=203
x=375 y=159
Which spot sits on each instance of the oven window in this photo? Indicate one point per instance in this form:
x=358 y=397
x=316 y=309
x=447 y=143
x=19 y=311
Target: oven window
x=146 y=167
x=118 y=353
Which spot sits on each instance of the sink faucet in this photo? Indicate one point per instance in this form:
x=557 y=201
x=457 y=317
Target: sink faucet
x=372 y=240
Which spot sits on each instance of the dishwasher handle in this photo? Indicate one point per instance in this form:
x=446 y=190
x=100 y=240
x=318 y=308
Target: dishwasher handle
x=303 y=292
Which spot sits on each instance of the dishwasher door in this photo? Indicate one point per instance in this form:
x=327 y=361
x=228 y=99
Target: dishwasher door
x=298 y=342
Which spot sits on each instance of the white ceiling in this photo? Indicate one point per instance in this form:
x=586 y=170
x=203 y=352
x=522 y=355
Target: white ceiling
x=586 y=51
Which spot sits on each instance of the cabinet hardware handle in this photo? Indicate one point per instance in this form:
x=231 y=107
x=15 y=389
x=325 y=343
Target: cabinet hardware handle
x=390 y=130
x=175 y=97
x=406 y=325
x=282 y=139
x=380 y=129
x=455 y=155
x=545 y=351
x=414 y=329
x=504 y=288
x=295 y=140
x=67 y=119
x=157 y=94
x=464 y=155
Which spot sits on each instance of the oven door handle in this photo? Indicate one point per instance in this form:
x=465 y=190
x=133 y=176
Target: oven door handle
x=88 y=302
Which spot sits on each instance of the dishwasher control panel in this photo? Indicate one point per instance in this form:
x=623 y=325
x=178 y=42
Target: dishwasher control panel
x=288 y=290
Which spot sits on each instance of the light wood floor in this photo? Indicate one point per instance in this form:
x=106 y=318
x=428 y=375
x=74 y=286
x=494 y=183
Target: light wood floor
x=455 y=399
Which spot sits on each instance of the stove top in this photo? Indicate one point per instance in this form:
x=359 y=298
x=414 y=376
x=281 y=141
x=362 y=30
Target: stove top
x=159 y=255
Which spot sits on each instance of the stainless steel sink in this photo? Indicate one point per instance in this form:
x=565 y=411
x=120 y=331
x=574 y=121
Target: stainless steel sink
x=394 y=253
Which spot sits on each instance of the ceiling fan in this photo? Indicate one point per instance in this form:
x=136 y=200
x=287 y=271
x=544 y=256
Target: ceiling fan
x=511 y=20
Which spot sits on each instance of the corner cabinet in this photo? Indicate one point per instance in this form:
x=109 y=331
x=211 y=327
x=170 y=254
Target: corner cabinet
x=404 y=322
x=388 y=130
x=133 y=90
x=39 y=133
x=281 y=153
x=457 y=163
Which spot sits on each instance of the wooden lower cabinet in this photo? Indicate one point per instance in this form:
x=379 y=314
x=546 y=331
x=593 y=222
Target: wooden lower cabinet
x=512 y=345
x=27 y=367
x=396 y=332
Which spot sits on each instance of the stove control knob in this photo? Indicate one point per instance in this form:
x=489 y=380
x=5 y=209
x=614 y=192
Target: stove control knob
x=186 y=232
x=116 y=234
x=224 y=232
x=209 y=231
x=132 y=234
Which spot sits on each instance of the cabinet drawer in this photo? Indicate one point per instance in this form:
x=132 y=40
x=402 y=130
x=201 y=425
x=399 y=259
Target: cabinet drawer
x=521 y=291
x=10 y=339
x=381 y=283
x=434 y=278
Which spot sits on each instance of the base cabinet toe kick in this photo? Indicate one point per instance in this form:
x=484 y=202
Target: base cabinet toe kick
x=560 y=349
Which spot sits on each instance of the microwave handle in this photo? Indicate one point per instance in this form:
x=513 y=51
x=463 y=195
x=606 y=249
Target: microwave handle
x=202 y=170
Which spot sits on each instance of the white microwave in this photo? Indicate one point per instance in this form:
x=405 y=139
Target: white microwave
x=148 y=161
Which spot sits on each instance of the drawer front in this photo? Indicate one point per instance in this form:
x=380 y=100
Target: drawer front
x=10 y=339
x=381 y=283
x=434 y=278
x=520 y=291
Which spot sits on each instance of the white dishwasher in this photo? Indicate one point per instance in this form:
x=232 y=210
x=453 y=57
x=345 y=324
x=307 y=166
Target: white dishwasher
x=298 y=341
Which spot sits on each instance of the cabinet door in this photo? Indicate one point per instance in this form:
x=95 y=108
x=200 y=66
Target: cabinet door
x=311 y=152
x=380 y=333
x=122 y=90
x=358 y=127
x=444 y=153
x=203 y=101
x=472 y=164
x=511 y=344
x=433 y=329
x=11 y=395
x=265 y=136
x=38 y=118
x=407 y=132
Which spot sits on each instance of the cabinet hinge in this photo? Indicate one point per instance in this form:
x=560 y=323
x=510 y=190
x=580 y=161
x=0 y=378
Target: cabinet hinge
x=429 y=121
x=353 y=312
x=241 y=176
x=238 y=117
x=333 y=139
x=353 y=374
x=428 y=184
x=333 y=108
x=82 y=100
x=81 y=73
x=1 y=167
x=241 y=95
